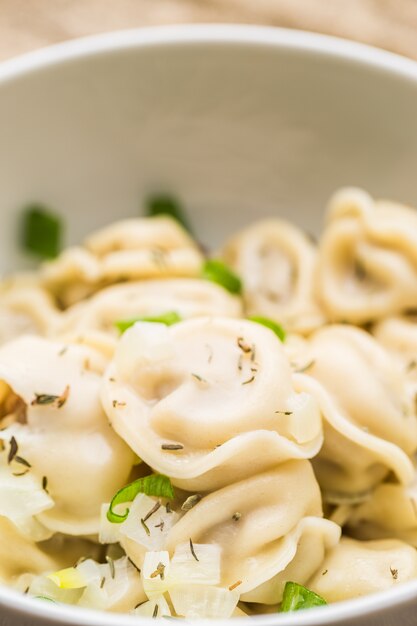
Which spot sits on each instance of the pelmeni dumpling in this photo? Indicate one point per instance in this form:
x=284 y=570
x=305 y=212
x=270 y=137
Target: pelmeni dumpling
x=208 y=401
x=186 y=296
x=398 y=335
x=25 y=307
x=19 y=554
x=367 y=264
x=277 y=264
x=260 y=523
x=370 y=425
x=21 y=558
x=358 y=568
x=389 y=511
x=54 y=421
x=152 y=247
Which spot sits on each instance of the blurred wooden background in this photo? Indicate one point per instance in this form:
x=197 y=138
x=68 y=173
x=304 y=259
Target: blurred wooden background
x=29 y=24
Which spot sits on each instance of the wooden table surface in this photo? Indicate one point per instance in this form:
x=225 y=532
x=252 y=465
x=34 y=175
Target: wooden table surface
x=29 y=24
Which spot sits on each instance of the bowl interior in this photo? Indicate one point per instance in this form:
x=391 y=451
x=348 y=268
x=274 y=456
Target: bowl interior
x=238 y=122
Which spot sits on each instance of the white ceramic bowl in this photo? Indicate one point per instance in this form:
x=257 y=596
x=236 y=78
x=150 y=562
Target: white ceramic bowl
x=239 y=122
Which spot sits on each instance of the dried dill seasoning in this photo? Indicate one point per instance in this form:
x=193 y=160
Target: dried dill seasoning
x=304 y=368
x=250 y=380
x=193 y=551
x=134 y=565
x=394 y=573
x=191 y=501
x=236 y=584
x=13 y=450
x=199 y=378
x=152 y=511
x=47 y=399
x=245 y=347
x=160 y=571
x=111 y=566
x=145 y=527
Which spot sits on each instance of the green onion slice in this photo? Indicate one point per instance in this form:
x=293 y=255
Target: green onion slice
x=45 y=598
x=164 y=204
x=168 y=318
x=41 y=232
x=216 y=271
x=265 y=321
x=297 y=597
x=153 y=485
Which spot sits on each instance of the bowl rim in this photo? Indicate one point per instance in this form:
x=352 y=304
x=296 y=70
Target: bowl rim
x=203 y=35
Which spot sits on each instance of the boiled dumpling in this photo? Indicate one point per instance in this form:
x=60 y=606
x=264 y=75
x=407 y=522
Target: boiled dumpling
x=25 y=307
x=357 y=568
x=370 y=426
x=398 y=335
x=153 y=247
x=54 y=421
x=260 y=523
x=367 y=258
x=277 y=264
x=185 y=296
x=208 y=401
x=389 y=511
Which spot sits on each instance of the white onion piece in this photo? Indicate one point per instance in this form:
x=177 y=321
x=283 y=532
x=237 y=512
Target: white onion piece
x=22 y=497
x=185 y=569
x=132 y=528
x=155 y=572
x=90 y=571
x=148 y=343
x=120 y=591
x=198 y=601
x=147 y=609
x=43 y=586
x=108 y=532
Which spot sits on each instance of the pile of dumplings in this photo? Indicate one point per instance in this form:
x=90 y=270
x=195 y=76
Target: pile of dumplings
x=291 y=460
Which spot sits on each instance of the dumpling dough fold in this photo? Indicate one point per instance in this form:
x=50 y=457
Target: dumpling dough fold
x=389 y=511
x=367 y=264
x=208 y=401
x=151 y=247
x=369 y=423
x=63 y=432
x=277 y=263
x=186 y=296
x=260 y=524
x=358 y=568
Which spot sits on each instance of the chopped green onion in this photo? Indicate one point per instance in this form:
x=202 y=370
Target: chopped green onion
x=152 y=485
x=41 y=232
x=297 y=597
x=216 y=271
x=167 y=205
x=168 y=318
x=44 y=598
x=265 y=321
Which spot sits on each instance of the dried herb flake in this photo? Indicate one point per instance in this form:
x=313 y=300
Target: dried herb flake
x=191 y=501
x=193 y=551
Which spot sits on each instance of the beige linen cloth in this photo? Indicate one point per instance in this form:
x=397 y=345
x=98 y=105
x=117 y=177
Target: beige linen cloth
x=29 y=24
